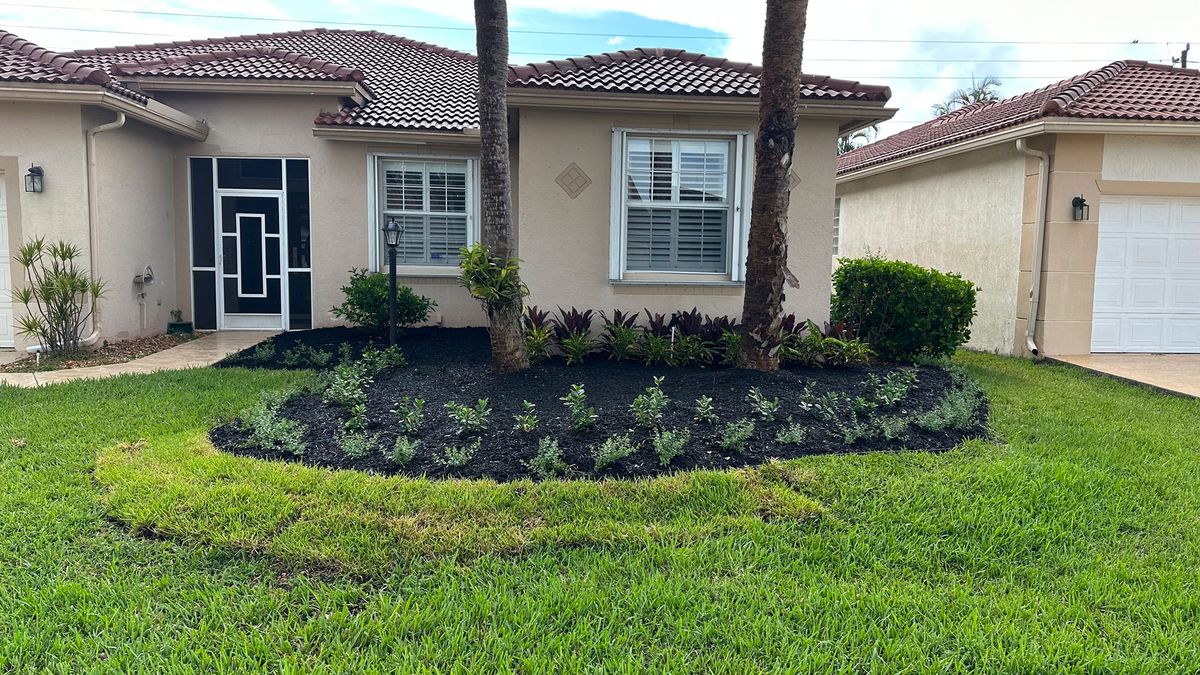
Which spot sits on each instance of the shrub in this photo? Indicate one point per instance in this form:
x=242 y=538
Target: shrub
x=358 y=445
x=527 y=420
x=654 y=349
x=412 y=414
x=670 y=444
x=764 y=407
x=729 y=344
x=271 y=432
x=648 y=407
x=792 y=434
x=374 y=360
x=347 y=386
x=538 y=334
x=958 y=407
x=705 y=411
x=620 y=335
x=404 y=450
x=59 y=296
x=495 y=282
x=470 y=420
x=613 y=450
x=304 y=356
x=690 y=350
x=735 y=435
x=573 y=330
x=548 y=462
x=459 y=455
x=809 y=345
x=892 y=388
x=366 y=302
x=264 y=351
x=902 y=310
x=582 y=415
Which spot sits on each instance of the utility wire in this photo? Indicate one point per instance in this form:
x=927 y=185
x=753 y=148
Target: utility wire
x=237 y=17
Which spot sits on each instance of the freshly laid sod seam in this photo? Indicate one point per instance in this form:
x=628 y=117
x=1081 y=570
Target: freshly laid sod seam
x=365 y=525
x=1070 y=545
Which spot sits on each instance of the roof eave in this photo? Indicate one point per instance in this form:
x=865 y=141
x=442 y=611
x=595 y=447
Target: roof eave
x=468 y=137
x=152 y=112
x=598 y=100
x=339 y=88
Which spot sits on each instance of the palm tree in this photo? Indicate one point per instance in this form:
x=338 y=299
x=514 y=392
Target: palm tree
x=504 y=318
x=979 y=92
x=857 y=139
x=766 y=259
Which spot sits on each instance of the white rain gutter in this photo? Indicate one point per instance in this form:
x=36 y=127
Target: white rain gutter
x=1039 y=244
x=93 y=212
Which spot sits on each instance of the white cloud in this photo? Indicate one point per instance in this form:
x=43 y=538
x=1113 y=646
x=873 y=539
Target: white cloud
x=615 y=40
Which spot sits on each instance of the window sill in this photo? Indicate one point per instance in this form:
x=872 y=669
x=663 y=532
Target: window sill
x=417 y=271
x=690 y=282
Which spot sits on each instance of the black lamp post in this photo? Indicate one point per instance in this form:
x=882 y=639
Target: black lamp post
x=391 y=237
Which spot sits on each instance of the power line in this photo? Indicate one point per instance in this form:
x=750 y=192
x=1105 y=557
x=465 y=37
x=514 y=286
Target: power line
x=239 y=17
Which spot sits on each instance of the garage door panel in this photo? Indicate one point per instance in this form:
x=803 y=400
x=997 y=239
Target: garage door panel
x=1147 y=294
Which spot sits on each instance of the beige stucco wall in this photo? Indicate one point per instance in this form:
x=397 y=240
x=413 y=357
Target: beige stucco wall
x=565 y=242
x=1168 y=159
x=135 y=225
x=50 y=136
x=960 y=214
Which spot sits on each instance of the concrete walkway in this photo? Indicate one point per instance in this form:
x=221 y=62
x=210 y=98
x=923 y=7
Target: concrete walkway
x=1176 y=373
x=203 y=351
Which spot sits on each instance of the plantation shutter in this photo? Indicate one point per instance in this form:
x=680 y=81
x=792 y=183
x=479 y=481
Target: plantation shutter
x=430 y=201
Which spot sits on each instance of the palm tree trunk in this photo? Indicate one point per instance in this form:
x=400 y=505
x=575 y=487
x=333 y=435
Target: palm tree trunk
x=491 y=42
x=766 y=258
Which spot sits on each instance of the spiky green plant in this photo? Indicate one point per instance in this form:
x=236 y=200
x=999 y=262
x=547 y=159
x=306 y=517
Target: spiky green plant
x=59 y=296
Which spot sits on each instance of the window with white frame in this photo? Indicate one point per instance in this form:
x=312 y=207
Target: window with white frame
x=433 y=203
x=837 y=225
x=677 y=203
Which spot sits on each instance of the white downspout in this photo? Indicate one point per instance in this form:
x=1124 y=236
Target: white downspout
x=93 y=213
x=1039 y=245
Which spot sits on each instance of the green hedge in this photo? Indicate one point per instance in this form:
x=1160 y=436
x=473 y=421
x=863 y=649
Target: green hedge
x=366 y=302
x=904 y=311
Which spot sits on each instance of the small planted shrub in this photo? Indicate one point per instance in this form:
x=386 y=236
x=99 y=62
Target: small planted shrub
x=893 y=387
x=735 y=435
x=809 y=345
x=620 y=335
x=648 y=407
x=411 y=412
x=613 y=450
x=346 y=386
x=573 y=330
x=670 y=444
x=356 y=419
x=690 y=350
x=765 y=408
x=904 y=311
x=374 y=360
x=264 y=351
x=459 y=455
x=365 y=302
x=526 y=420
x=548 y=462
x=271 y=432
x=404 y=450
x=958 y=407
x=792 y=434
x=59 y=296
x=728 y=346
x=582 y=416
x=359 y=444
x=655 y=343
x=538 y=334
x=304 y=356
x=705 y=412
x=470 y=420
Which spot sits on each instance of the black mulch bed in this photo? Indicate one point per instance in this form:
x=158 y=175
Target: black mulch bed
x=447 y=364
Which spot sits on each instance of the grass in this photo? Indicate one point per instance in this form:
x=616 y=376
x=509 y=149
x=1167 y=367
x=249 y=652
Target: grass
x=1071 y=544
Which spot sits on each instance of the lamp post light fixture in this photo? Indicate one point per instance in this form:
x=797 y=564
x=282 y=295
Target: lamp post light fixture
x=391 y=237
x=1080 y=210
x=35 y=179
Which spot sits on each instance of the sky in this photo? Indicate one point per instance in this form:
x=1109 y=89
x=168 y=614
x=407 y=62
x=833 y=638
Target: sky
x=922 y=49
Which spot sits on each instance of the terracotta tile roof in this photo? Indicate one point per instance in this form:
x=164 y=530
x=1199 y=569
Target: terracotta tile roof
x=23 y=61
x=258 y=63
x=1123 y=90
x=672 y=71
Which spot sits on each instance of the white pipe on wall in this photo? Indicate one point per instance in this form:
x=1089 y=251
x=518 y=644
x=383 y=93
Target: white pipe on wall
x=93 y=213
x=1039 y=244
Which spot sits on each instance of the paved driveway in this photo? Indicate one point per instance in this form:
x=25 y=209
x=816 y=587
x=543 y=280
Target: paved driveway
x=1179 y=373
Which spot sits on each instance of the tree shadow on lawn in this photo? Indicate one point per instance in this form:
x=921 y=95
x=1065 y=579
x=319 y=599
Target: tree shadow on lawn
x=363 y=525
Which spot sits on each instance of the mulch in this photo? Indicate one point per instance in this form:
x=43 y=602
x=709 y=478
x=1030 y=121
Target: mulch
x=447 y=364
x=105 y=354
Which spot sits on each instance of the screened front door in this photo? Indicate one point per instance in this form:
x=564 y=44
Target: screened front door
x=251 y=261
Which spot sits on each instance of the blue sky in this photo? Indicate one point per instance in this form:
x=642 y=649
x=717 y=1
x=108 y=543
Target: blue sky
x=923 y=50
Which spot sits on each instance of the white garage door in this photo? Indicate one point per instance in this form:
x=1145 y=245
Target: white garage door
x=1148 y=276
x=6 y=318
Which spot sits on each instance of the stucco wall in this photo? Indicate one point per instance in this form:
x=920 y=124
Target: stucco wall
x=50 y=136
x=136 y=225
x=959 y=214
x=565 y=242
x=1168 y=159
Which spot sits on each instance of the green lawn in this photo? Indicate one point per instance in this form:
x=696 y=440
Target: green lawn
x=1072 y=544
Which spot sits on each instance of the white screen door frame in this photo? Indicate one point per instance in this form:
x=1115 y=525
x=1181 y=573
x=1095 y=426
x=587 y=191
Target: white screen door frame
x=246 y=321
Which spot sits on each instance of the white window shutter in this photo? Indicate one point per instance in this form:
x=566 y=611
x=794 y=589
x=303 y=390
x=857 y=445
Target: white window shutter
x=616 y=263
x=743 y=186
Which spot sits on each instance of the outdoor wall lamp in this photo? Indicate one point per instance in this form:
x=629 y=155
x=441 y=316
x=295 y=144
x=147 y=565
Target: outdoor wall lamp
x=391 y=237
x=34 y=180
x=1080 y=209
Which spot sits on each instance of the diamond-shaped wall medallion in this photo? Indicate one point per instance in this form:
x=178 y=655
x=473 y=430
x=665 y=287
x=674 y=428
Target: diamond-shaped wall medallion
x=793 y=180
x=573 y=180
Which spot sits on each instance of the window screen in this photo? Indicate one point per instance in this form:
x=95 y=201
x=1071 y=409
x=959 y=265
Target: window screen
x=429 y=201
x=678 y=205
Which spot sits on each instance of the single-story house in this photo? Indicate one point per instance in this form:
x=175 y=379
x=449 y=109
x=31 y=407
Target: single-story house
x=251 y=173
x=1080 y=200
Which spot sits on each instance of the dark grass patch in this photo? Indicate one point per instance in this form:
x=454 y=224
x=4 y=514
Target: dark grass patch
x=451 y=365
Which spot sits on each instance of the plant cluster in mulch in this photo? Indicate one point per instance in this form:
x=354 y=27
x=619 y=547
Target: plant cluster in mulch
x=426 y=417
x=106 y=354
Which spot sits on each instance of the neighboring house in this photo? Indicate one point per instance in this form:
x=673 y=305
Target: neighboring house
x=959 y=193
x=253 y=172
